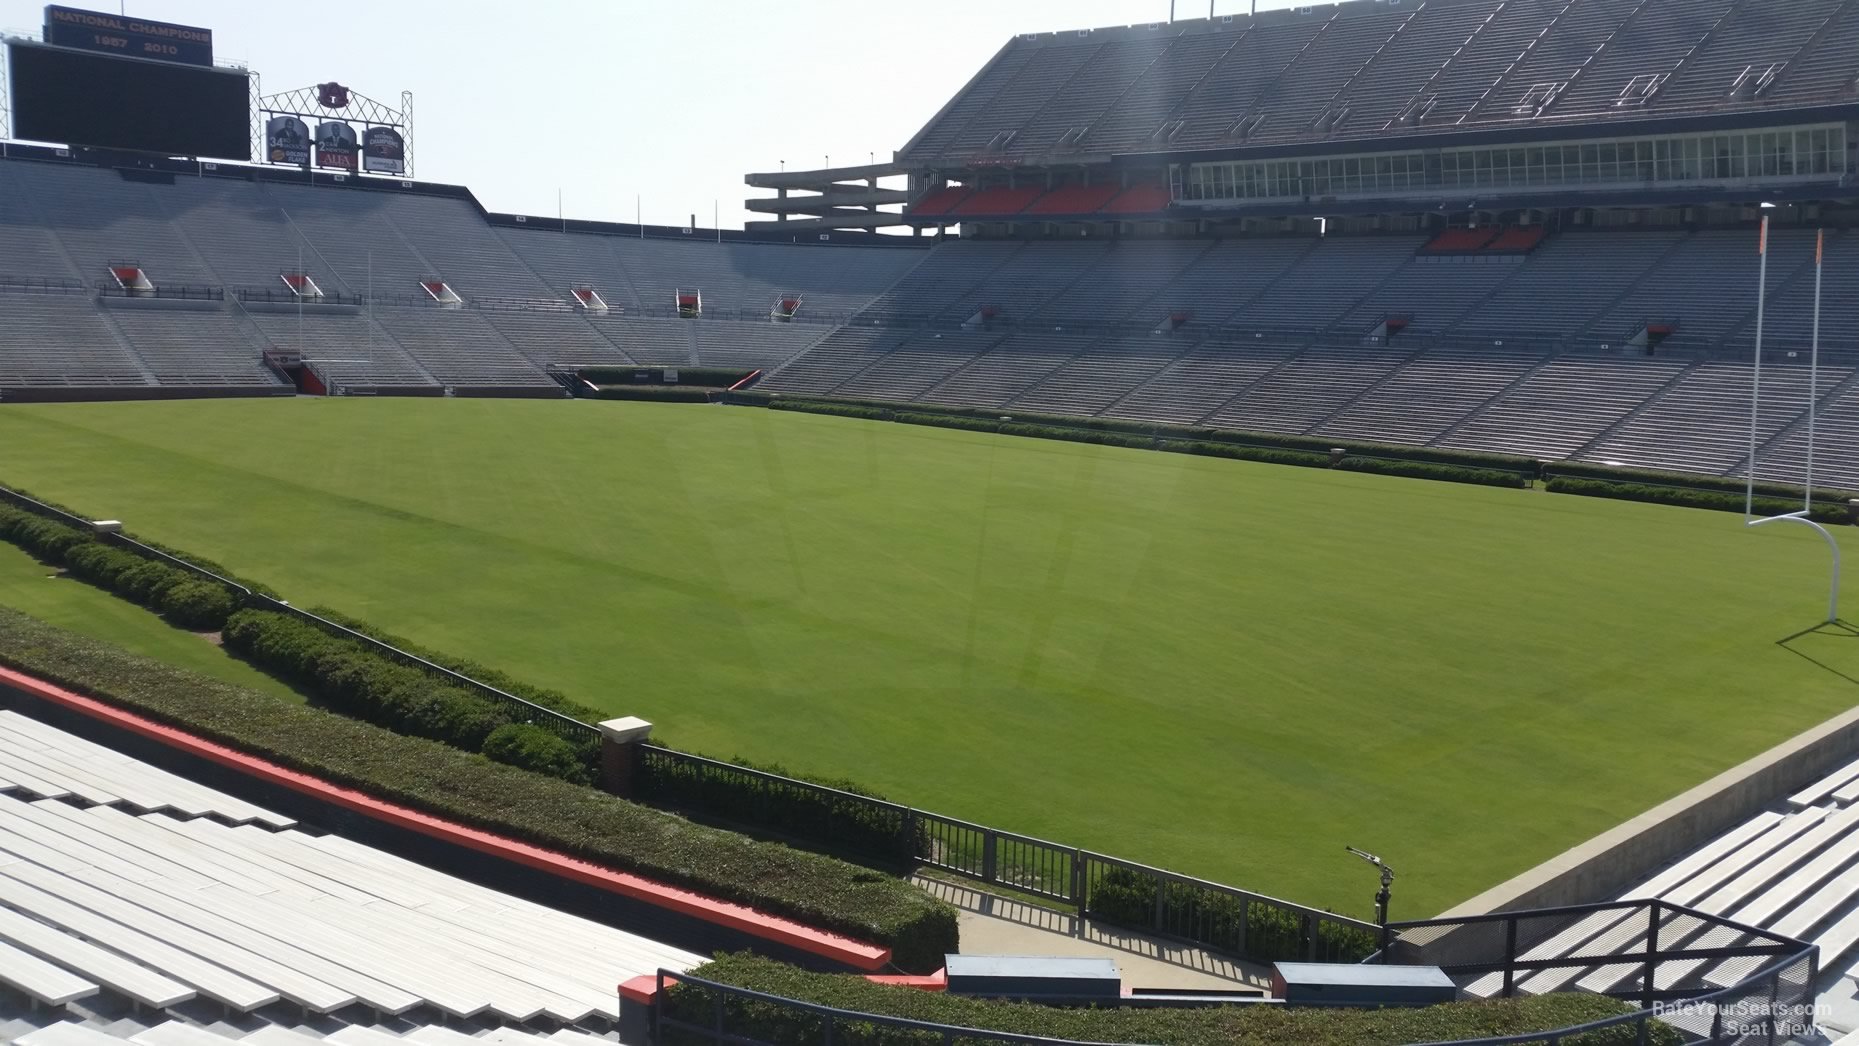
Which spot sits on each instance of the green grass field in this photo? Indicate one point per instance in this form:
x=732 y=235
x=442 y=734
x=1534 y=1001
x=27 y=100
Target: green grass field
x=1227 y=669
x=39 y=590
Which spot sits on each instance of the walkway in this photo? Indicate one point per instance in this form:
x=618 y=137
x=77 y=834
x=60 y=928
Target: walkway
x=993 y=925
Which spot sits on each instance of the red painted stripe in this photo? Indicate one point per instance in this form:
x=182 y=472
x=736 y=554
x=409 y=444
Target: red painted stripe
x=742 y=918
x=644 y=988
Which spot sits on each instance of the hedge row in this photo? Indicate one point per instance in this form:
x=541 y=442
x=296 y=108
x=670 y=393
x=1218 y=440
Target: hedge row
x=880 y=410
x=555 y=814
x=657 y=393
x=1238 y=1025
x=821 y=821
x=706 y=377
x=352 y=679
x=1123 y=434
x=185 y=599
x=1258 y=931
x=1721 y=501
x=1728 y=484
x=547 y=698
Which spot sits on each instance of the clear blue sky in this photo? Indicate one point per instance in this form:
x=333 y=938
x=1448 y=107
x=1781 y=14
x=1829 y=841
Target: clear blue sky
x=672 y=101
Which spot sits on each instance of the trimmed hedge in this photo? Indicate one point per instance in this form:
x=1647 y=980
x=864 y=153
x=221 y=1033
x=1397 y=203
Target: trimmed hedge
x=658 y=393
x=547 y=698
x=917 y=413
x=1238 y=1025
x=347 y=677
x=473 y=790
x=533 y=748
x=825 y=823
x=185 y=599
x=1695 y=481
x=1271 y=934
x=1721 y=501
x=1172 y=439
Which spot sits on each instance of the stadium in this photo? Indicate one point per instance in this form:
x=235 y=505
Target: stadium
x=1041 y=587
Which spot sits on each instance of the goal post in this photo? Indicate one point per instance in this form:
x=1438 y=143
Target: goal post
x=1805 y=515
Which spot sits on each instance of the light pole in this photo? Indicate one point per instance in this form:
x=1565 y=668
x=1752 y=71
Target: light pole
x=1381 y=896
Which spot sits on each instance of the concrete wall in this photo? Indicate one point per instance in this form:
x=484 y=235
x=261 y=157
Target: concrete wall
x=1604 y=867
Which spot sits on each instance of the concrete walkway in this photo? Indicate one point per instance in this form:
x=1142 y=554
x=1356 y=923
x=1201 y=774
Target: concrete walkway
x=993 y=925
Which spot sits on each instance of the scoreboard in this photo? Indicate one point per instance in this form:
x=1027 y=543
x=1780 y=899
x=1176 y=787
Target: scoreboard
x=128 y=37
x=110 y=82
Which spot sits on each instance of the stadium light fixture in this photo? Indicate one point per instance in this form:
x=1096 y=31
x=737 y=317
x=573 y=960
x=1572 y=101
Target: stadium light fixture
x=1382 y=895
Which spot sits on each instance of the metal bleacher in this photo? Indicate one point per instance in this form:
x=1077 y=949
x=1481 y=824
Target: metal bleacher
x=128 y=895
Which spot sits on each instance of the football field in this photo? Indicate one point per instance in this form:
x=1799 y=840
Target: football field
x=1223 y=668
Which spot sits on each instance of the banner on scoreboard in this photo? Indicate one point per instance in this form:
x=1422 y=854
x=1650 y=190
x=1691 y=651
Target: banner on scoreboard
x=384 y=151
x=335 y=145
x=287 y=140
x=130 y=37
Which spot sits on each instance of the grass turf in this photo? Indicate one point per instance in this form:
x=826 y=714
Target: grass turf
x=1227 y=669
x=36 y=589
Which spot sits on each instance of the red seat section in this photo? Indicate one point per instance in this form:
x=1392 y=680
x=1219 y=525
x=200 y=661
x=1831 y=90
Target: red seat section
x=1074 y=199
x=940 y=201
x=1456 y=241
x=1140 y=199
x=1000 y=200
x=1520 y=239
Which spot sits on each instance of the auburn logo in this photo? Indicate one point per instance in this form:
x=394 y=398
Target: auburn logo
x=332 y=95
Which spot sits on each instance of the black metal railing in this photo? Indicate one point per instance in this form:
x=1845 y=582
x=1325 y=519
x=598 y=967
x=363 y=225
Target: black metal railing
x=1708 y=976
x=41 y=285
x=715 y=1014
x=1770 y=1002
x=166 y=292
x=1109 y=889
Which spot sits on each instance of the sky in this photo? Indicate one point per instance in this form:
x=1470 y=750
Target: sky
x=624 y=106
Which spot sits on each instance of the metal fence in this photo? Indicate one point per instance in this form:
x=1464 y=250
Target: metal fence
x=1713 y=979
x=1768 y=1000
x=714 y=1014
x=565 y=727
x=1131 y=895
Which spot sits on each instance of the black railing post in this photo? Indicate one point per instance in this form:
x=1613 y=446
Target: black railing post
x=1652 y=953
x=1081 y=883
x=1510 y=954
x=990 y=845
x=1245 y=919
x=1161 y=898
x=1310 y=937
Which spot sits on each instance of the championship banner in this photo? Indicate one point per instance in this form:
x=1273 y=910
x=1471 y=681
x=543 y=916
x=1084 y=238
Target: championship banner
x=335 y=146
x=287 y=140
x=384 y=151
x=132 y=37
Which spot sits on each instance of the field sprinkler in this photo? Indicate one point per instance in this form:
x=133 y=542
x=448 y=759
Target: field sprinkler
x=1387 y=882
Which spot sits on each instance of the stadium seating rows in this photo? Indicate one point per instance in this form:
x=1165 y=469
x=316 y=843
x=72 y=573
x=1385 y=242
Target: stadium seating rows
x=123 y=886
x=62 y=226
x=1448 y=340
x=1372 y=68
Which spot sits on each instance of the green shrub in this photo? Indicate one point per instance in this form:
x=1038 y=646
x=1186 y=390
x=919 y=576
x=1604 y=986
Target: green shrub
x=1692 y=480
x=1210 y=1026
x=1721 y=501
x=659 y=393
x=533 y=748
x=1256 y=930
x=1512 y=463
x=819 y=821
x=196 y=605
x=536 y=695
x=349 y=678
x=512 y=802
x=46 y=539
x=1435 y=471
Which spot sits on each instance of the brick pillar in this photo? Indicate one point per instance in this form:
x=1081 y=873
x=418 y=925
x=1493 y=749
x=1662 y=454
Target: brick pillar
x=619 y=753
x=1852 y=507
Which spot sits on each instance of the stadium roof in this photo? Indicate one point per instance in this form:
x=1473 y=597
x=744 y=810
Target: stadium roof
x=1379 y=68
